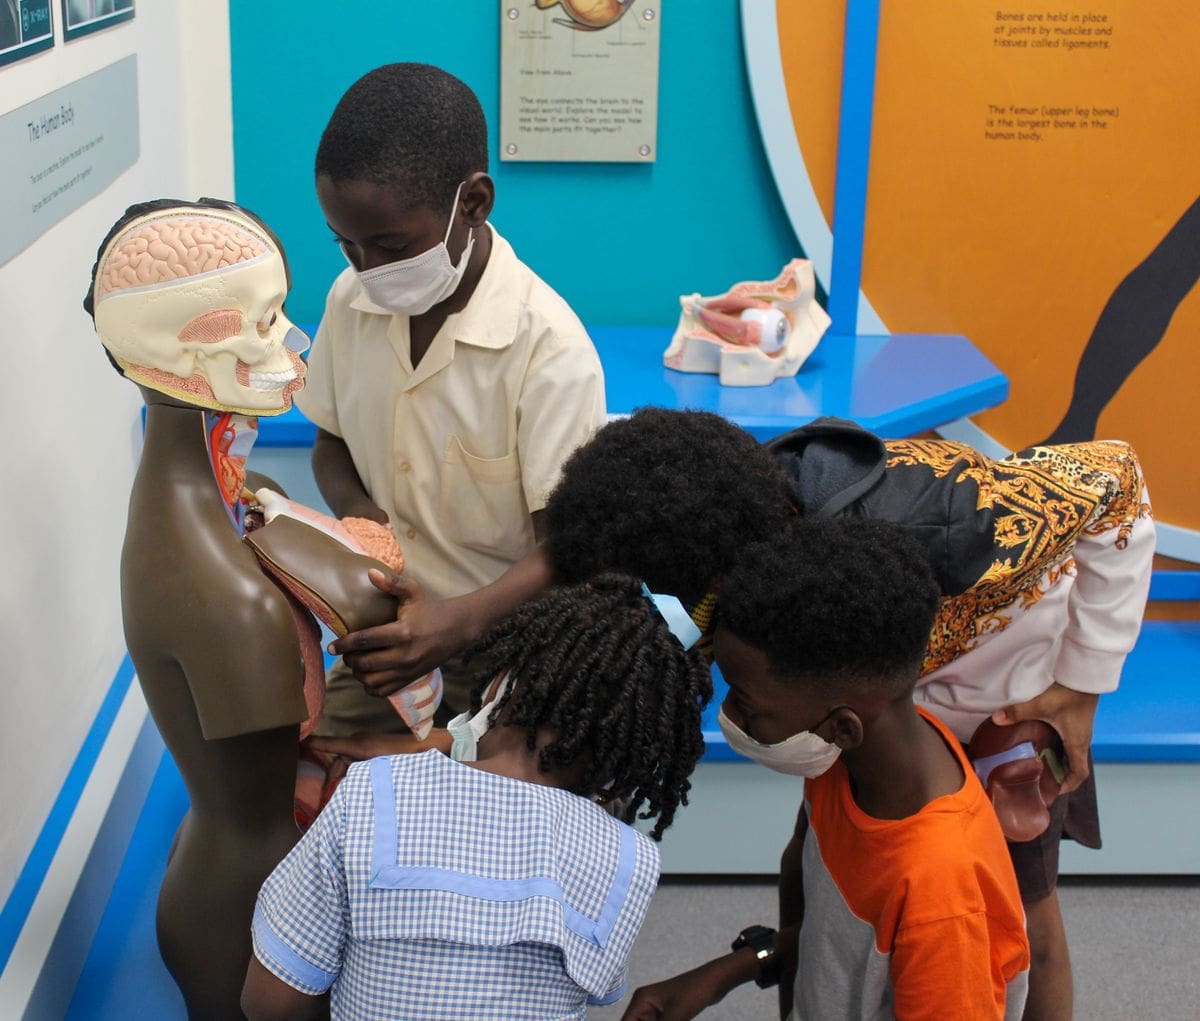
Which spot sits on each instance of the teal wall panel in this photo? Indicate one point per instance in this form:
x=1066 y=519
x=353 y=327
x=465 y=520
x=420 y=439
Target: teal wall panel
x=620 y=242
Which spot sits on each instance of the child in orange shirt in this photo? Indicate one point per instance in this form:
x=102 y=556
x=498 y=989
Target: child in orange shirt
x=911 y=907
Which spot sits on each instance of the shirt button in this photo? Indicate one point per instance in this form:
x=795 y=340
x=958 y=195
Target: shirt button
x=411 y=533
x=405 y=467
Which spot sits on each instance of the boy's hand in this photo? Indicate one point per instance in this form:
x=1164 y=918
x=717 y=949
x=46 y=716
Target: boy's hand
x=424 y=635
x=686 y=995
x=675 y=999
x=358 y=747
x=1072 y=713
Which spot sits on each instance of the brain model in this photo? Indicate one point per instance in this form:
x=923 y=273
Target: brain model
x=171 y=250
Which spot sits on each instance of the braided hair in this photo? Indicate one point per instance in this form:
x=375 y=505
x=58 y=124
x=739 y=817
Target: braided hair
x=597 y=665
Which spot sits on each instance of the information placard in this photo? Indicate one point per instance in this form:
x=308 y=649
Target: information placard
x=63 y=149
x=579 y=80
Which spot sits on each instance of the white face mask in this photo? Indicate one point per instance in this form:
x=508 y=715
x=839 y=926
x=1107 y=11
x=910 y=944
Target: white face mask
x=467 y=729
x=413 y=286
x=804 y=754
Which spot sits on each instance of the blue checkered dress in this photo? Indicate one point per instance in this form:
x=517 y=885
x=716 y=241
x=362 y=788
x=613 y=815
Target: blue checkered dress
x=431 y=889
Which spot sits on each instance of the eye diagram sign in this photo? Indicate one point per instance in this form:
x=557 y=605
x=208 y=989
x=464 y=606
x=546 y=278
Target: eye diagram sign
x=579 y=80
x=64 y=149
x=1034 y=185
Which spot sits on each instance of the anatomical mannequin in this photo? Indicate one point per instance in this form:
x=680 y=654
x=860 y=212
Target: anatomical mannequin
x=187 y=299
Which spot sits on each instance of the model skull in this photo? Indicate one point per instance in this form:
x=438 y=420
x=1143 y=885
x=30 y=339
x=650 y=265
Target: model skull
x=189 y=302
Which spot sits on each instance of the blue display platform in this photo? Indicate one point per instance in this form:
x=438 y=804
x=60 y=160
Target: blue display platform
x=894 y=385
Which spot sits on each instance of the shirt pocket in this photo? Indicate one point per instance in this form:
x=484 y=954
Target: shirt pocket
x=482 y=502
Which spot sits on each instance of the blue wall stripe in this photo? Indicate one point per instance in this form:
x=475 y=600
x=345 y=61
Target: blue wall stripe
x=853 y=159
x=72 y=944
x=1175 y=585
x=29 y=882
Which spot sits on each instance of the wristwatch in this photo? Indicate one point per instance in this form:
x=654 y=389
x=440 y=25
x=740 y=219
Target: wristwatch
x=761 y=940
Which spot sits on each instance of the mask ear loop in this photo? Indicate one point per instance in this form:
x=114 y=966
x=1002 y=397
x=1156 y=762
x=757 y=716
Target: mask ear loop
x=679 y=622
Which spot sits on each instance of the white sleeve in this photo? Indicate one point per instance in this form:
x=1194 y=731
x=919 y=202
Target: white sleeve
x=318 y=398
x=1114 y=558
x=560 y=406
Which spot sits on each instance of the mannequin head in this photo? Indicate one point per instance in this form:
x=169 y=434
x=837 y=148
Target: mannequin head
x=188 y=299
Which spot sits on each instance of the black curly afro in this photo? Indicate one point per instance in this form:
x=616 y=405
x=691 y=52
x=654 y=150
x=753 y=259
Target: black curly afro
x=597 y=664
x=839 y=604
x=671 y=497
x=413 y=127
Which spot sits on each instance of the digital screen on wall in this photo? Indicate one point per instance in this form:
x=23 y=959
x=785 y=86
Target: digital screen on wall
x=81 y=17
x=26 y=27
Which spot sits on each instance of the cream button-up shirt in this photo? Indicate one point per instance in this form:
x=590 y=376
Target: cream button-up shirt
x=463 y=448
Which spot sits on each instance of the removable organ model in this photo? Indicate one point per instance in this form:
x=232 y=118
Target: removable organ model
x=1021 y=767
x=752 y=334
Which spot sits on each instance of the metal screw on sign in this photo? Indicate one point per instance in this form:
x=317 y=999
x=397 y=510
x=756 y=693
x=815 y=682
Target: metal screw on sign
x=513 y=14
x=510 y=149
x=647 y=14
x=644 y=150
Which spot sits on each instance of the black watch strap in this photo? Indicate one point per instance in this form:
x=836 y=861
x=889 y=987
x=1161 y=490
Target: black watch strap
x=761 y=940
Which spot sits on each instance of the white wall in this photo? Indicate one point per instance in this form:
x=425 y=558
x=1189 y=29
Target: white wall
x=69 y=432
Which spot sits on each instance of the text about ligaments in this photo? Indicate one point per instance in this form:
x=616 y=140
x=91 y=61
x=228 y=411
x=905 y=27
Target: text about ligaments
x=1065 y=31
x=1032 y=119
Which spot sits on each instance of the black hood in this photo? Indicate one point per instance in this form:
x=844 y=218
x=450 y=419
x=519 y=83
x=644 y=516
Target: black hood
x=830 y=463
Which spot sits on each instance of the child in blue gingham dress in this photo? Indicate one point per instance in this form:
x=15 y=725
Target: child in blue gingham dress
x=497 y=888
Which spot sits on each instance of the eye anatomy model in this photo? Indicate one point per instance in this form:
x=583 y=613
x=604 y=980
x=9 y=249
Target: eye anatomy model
x=752 y=334
x=588 y=15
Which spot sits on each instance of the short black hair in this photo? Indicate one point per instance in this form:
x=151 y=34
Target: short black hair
x=838 y=604
x=597 y=664
x=413 y=127
x=671 y=497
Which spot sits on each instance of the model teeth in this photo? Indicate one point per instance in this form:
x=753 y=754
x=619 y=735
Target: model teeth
x=271 y=380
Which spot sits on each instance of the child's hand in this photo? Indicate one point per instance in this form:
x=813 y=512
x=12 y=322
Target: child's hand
x=1072 y=713
x=358 y=747
x=686 y=995
x=424 y=635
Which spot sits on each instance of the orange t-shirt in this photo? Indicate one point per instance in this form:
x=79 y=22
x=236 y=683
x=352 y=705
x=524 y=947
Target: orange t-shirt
x=909 y=918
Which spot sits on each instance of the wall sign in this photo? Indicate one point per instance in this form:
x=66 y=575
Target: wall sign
x=63 y=149
x=26 y=27
x=579 y=80
x=1032 y=185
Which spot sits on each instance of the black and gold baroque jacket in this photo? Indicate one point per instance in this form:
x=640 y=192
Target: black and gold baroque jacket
x=1043 y=557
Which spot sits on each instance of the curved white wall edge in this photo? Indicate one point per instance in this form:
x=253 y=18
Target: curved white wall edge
x=760 y=40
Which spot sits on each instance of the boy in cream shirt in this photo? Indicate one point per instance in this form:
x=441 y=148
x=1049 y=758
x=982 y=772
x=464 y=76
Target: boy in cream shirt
x=447 y=381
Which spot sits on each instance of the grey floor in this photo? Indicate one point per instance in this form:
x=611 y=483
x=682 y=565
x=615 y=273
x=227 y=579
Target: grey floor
x=1135 y=947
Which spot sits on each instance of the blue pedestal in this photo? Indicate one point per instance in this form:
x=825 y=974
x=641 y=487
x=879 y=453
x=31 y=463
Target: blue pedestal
x=893 y=385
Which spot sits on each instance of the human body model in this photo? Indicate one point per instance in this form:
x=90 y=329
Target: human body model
x=187 y=299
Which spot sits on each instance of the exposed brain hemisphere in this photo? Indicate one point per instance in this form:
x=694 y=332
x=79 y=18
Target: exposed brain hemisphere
x=168 y=250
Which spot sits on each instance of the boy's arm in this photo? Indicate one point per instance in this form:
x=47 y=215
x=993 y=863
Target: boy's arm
x=427 y=632
x=686 y=995
x=791 y=905
x=1114 y=556
x=267 y=998
x=338 y=480
x=947 y=968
